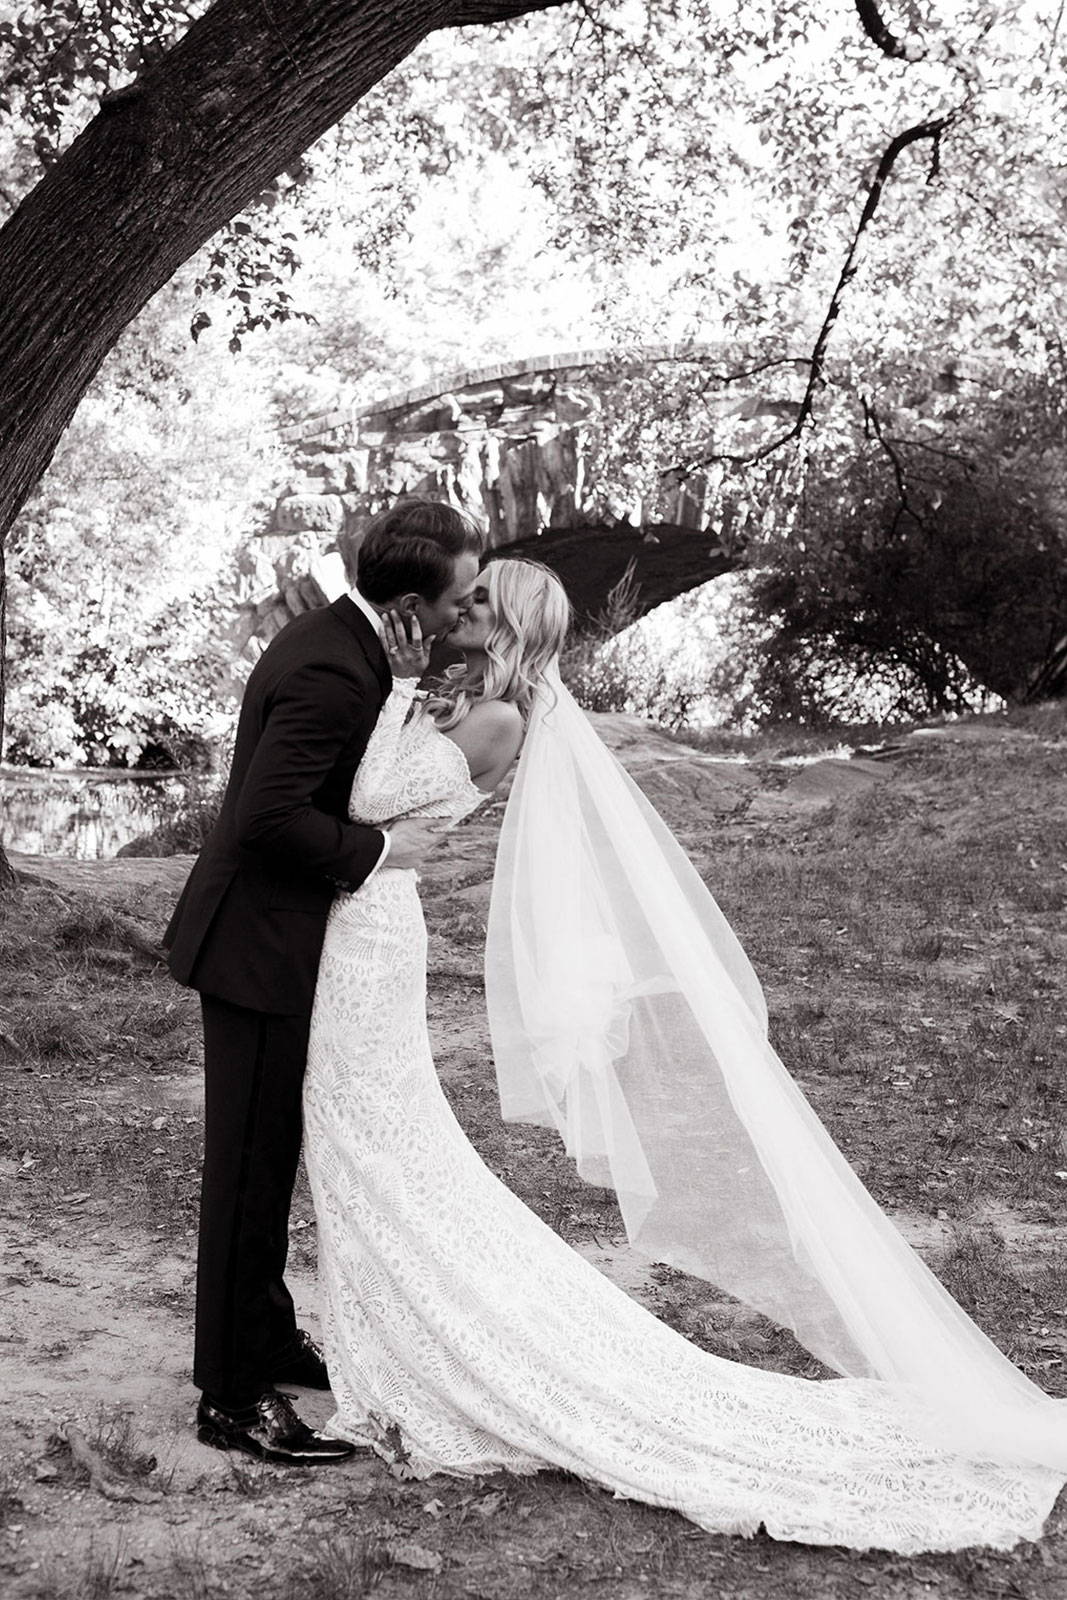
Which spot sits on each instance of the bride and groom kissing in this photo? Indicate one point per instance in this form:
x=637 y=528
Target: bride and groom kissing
x=459 y=1330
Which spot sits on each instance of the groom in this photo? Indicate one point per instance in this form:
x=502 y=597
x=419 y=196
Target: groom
x=247 y=933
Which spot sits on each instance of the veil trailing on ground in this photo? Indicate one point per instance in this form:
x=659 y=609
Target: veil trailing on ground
x=625 y=1015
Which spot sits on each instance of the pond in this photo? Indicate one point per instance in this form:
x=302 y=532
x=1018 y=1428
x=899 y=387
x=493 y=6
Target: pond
x=88 y=813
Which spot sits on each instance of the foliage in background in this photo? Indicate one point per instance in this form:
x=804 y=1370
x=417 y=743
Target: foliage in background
x=920 y=571
x=698 y=165
x=142 y=701
x=123 y=582
x=618 y=174
x=609 y=666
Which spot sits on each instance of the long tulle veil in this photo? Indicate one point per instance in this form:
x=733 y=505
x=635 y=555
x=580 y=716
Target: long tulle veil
x=625 y=1014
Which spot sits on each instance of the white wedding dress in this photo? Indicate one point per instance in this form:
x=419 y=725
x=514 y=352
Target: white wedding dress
x=463 y=1336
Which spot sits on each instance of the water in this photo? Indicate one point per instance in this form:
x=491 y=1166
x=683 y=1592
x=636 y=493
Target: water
x=87 y=814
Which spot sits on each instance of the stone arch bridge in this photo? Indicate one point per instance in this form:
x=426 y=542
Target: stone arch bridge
x=514 y=444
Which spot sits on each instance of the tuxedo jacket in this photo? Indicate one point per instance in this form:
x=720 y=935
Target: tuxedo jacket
x=251 y=919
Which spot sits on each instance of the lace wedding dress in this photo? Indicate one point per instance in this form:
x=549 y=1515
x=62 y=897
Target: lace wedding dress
x=463 y=1336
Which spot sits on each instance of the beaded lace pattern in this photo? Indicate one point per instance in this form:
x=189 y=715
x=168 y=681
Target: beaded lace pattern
x=463 y=1336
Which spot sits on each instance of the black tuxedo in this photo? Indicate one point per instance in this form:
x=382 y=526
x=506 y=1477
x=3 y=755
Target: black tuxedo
x=247 y=932
x=250 y=922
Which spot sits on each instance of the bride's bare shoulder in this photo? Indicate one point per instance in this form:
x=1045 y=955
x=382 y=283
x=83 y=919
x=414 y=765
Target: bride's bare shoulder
x=489 y=736
x=497 y=717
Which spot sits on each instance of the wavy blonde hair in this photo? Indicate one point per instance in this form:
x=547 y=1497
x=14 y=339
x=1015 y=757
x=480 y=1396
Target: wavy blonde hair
x=531 y=614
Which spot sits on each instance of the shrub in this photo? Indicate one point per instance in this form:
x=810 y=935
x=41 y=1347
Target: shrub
x=187 y=824
x=912 y=581
x=607 y=670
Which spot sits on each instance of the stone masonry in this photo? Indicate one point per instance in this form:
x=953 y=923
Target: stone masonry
x=509 y=444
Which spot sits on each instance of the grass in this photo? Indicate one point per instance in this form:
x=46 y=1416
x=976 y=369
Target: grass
x=912 y=943
x=116 y=1451
x=342 y=1569
x=102 y=1575
x=114 y=1437
x=784 y=742
x=913 y=939
x=91 y=1051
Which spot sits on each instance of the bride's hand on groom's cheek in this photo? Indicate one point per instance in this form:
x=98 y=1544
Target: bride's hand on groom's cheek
x=407 y=650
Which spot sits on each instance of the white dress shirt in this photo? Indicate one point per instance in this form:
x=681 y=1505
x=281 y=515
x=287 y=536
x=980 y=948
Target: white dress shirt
x=372 y=616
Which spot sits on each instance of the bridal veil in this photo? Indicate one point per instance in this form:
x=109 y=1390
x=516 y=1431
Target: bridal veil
x=625 y=1015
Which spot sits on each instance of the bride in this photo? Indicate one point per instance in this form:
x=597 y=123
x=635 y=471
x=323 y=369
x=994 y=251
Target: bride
x=462 y=1335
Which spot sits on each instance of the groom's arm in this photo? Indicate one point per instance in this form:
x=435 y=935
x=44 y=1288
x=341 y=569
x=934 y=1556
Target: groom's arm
x=317 y=715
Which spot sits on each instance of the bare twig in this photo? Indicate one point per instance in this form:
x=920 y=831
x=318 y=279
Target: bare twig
x=873 y=429
x=742 y=373
x=1054 y=38
x=957 y=456
x=120 y=959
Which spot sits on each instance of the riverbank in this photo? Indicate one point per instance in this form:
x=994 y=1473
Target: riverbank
x=88 y=812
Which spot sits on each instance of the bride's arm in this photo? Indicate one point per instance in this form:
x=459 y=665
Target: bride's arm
x=388 y=734
x=386 y=789
x=408 y=658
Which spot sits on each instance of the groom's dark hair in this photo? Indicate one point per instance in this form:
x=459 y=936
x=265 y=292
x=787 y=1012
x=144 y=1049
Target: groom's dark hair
x=411 y=548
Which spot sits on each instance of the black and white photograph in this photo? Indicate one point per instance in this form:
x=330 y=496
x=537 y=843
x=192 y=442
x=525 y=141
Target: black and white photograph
x=533 y=799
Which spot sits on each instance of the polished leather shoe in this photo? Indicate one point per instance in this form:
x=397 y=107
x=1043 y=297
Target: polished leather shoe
x=305 y=1365
x=271 y=1430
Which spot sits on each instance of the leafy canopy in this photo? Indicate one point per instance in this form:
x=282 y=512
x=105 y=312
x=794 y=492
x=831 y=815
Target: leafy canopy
x=617 y=173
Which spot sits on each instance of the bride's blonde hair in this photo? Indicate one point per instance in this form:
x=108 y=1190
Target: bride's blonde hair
x=531 y=614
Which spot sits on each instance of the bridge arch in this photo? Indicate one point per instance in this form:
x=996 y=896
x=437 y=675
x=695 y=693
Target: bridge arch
x=512 y=444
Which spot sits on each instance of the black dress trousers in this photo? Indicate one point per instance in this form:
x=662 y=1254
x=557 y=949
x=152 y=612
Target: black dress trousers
x=253 y=1073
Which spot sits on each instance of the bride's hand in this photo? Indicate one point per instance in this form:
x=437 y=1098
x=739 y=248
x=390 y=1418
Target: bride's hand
x=407 y=650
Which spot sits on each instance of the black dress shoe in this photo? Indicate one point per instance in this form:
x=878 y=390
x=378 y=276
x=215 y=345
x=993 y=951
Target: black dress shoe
x=271 y=1430
x=304 y=1365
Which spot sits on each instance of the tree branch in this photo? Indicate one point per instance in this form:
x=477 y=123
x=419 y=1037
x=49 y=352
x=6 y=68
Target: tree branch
x=932 y=130
x=477 y=13
x=724 y=378
x=165 y=164
x=887 y=41
x=872 y=427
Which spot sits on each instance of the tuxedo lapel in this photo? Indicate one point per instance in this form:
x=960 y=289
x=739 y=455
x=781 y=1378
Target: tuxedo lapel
x=366 y=637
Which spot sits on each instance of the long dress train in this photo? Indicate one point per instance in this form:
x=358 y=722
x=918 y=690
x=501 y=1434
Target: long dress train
x=463 y=1336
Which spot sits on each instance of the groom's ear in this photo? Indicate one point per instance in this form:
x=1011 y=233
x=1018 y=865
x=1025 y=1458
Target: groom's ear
x=406 y=604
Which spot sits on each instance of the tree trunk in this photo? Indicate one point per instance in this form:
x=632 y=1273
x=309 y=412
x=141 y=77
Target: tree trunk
x=165 y=164
x=7 y=875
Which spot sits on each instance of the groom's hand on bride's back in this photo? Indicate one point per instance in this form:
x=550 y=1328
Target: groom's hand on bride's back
x=411 y=839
